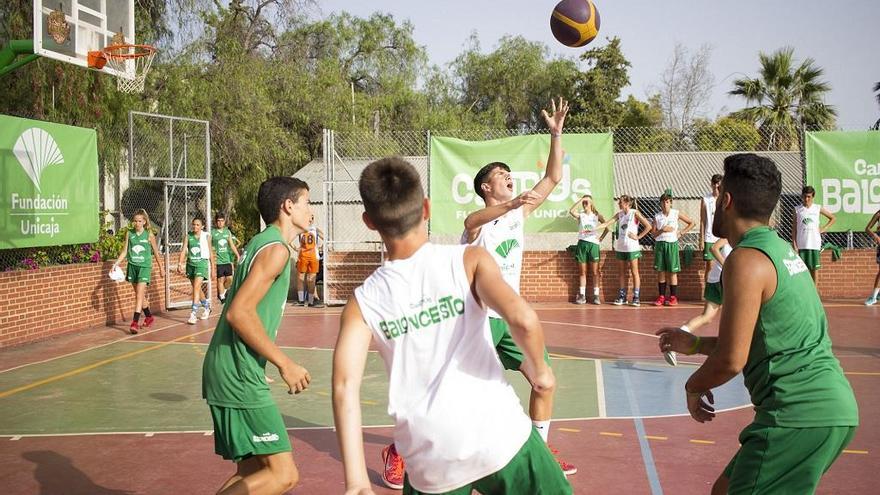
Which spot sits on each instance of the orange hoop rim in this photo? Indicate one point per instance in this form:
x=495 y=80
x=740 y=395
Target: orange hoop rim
x=139 y=51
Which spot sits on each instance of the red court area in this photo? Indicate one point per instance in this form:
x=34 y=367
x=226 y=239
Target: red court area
x=641 y=453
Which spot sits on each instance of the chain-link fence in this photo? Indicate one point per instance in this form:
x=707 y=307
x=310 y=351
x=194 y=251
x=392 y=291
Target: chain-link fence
x=647 y=161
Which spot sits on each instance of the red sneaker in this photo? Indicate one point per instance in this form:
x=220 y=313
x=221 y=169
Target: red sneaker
x=567 y=469
x=133 y=328
x=672 y=301
x=148 y=321
x=392 y=475
x=660 y=301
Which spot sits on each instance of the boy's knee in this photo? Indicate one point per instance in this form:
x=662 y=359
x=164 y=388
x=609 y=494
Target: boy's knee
x=286 y=475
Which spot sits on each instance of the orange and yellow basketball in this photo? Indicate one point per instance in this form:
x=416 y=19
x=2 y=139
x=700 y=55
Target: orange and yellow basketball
x=575 y=22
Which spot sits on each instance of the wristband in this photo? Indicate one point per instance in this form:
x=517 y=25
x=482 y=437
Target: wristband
x=696 y=346
x=685 y=328
x=555 y=135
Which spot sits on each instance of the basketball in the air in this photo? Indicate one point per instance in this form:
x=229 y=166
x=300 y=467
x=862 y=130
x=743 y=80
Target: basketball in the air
x=575 y=22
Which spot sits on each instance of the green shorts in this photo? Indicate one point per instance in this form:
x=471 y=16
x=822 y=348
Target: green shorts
x=627 y=256
x=511 y=356
x=532 y=470
x=666 y=257
x=775 y=459
x=707 y=251
x=242 y=433
x=193 y=271
x=137 y=274
x=586 y=252
x=712 y=292
x=811 y=257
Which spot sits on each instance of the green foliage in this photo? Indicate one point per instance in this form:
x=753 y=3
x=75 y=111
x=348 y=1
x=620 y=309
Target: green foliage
x=595 y=102
x=727 y=134
x=784 y=98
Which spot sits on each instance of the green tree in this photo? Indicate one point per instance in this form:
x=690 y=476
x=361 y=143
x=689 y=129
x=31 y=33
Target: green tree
x=783 y=98
x=726 y=134
x=597 y=90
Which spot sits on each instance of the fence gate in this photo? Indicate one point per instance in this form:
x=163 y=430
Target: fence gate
x=173 y=153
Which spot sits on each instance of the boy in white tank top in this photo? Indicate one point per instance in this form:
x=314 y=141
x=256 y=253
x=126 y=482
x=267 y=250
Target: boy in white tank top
x=426 y=310
x=666 y=257
x=806 y=233
x=707 y=214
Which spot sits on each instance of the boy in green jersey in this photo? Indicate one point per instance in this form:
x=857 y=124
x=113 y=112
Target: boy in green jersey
x=223 y=245
x=774 y=329
x=248 y=428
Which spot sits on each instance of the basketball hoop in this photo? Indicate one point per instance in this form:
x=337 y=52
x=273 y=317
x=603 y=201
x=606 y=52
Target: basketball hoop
x=133 y=61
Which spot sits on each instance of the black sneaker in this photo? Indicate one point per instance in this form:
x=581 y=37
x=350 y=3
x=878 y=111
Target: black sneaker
x=316 y=303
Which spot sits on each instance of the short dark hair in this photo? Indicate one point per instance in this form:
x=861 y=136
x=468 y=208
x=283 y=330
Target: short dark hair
x=274 y=192
x=754 y=183
x=665 y=196
x=716 y=179
x=393 y=195
x=626 y=198
x=219 y=215
x=484 y=172
x=808 y=190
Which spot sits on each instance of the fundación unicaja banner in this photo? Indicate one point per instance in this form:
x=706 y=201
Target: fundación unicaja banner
x=844 y=168
x=587 y=168
x=48 y=184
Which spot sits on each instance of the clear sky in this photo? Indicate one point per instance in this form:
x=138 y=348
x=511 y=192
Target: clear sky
x=842 y=36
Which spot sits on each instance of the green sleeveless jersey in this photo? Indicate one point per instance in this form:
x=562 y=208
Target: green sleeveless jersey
x=233 y=374
x=792 y=376
x=140 y=251
x=221 y=239
x=194 y=255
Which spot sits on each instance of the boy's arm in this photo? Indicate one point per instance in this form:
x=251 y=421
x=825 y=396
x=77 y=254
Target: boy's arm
x=716 y=250
x=234 y=250
x=475 y=221
x=831 y=219
x=553 y=173
x=794 y=229
x=869 y=228
x=601 y=224
x=242 y=315
x=689 y=224
x=703 y=219
x=647 y=225
x=349 y=359
x=525 y=327
x=182 y=258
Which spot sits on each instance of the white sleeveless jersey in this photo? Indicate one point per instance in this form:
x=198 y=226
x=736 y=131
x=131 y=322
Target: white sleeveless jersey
x=456 y=418
x=503 y=238
x=587 y=223
x=808 y=236
x=627 y=223
x=709 y=203
x=715 y=272
x=670 y=220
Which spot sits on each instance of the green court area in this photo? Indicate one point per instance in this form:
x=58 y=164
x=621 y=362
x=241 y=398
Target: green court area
x=156 y=387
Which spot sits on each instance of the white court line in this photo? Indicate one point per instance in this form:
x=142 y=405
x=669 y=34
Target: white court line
x=584 y=325
x=600 y=389
x=320 y=428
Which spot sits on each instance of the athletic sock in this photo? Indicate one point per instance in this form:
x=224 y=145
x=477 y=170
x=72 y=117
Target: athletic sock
x=621 y=293
x=204 y=303
x=302 y=295
x=543 y=428
x=595 y=291
x=636 y=293
x=147 y=312
x=673 y=290
x=876 y=293
x=137 y=317
x=223 y=294
x=311 y=299
x=583 y=290
x=195 y=307
x=662 y=286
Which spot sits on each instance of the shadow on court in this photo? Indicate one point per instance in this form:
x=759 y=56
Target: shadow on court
x=56 y=474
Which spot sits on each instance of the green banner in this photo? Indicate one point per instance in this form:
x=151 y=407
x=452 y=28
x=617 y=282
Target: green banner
x=48 y=184
x=587 y=168
x=844 y=168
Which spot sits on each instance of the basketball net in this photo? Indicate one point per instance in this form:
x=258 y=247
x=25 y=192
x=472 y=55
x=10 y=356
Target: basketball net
x=132 y=62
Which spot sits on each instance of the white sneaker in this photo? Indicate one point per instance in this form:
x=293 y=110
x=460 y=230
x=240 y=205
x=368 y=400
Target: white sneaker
x=192 y=318
x=581 y=299
x=670 y=358
x=206 y=312
x=870 y=301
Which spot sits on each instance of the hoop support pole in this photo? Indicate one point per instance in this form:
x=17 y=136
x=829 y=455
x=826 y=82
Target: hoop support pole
x=14 y=49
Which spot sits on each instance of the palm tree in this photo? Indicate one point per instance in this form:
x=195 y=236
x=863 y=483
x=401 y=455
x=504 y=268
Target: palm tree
x=784 y=98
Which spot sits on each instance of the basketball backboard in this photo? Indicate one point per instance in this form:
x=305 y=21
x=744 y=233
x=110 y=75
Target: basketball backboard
x=88 y=25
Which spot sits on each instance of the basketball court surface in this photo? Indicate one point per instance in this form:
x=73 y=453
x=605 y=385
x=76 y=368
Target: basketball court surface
x=102 y=412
